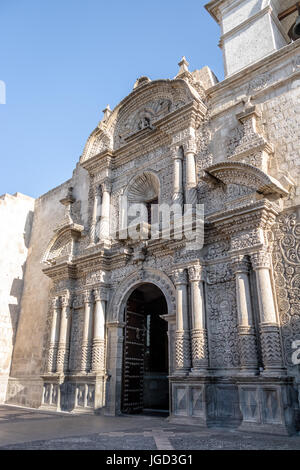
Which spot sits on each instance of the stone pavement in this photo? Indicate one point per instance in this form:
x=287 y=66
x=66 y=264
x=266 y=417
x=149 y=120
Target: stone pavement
x=23 y=428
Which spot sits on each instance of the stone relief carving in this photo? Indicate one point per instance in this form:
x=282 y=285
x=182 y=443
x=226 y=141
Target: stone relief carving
x=143 y=118
x=217 y=273
x=286 y=263
x=222 y=317
x=259 y=82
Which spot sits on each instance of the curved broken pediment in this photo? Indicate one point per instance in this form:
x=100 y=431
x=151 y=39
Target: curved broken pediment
x=244 y=174
x=61 y=246
x=141 y=109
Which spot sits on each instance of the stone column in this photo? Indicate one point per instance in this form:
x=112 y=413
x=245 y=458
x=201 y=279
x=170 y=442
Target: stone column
x=105 y=210
x=190 y=172
x=64 y=335
x=87 y=333
x=177 y=177
x=199 y=332
x=54 y=336
x=269 y=328
x=96 y=204
x=246 y=330
x=182 y=336
x=99 y=332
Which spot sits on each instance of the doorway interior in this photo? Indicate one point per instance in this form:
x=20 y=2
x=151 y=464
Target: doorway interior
x=145 y=385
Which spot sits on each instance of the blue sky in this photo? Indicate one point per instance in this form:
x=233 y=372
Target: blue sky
x=63 y=61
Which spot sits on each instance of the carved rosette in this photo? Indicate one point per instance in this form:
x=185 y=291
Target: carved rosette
x=98 y=355
x=247 y=347
x=271 y=346
x=199 y=349
x=182 y=351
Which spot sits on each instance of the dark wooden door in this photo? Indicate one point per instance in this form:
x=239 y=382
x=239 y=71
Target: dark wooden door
x=133 y=365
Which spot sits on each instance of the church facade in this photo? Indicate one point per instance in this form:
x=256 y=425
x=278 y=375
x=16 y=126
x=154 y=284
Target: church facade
x=103 y=321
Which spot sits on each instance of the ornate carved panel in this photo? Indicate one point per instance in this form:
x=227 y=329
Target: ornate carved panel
x=286 y=263
x=222 y=318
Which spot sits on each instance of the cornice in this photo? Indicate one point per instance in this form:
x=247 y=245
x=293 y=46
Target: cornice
x=258 y=67
x=64 y=270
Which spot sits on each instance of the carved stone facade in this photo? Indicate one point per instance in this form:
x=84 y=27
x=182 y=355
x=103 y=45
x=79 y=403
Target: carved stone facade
x=232 y=302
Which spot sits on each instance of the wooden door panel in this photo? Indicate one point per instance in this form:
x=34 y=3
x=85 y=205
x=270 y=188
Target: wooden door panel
x=133 y=369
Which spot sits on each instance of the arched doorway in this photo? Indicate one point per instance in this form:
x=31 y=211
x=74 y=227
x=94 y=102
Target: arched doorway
x=145 y=386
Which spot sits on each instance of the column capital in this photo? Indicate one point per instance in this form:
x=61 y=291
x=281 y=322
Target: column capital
x=240 y=264
x=106 y=185
x=54 y=302
x=260 y=260
x=179 y=276
x=87 y=297
x=190 y=146
x=100 y=294
x=176 y=153
x=196 y=273
x=65 y=300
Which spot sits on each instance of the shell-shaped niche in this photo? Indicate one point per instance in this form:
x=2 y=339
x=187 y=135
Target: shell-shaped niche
x=144 y=188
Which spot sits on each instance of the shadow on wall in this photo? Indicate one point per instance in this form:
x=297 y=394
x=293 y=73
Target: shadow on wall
x=16 y=291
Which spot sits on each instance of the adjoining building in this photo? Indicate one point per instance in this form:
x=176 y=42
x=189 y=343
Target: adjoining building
x=94 y=319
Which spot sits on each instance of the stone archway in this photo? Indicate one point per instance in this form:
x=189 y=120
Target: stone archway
x=145 y=386
x=116 y=328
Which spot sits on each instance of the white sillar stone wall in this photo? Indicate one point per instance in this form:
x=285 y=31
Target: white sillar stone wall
x=16 y=215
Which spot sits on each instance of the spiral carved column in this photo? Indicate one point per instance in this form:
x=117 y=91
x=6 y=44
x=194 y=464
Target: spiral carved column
x=182 y=335
x=246 y=330
x=199 y=332
x=98 y=353
x=87 y=333
x=64 y=335
x=54 y=336
x=269 y=328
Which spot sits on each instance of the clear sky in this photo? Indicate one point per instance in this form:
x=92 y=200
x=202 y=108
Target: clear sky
x=63 y=61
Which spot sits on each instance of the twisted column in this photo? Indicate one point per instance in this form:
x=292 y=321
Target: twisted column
x=182 y=336
x=64 y=335
x=54 y=336
x=105 y=210
x=246 y=330
x=99 y=332
x=269 y=328
x=87 y=333
x=199 y=332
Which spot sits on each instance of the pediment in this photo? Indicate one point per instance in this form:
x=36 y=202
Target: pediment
x=228 y=185
x=246 y=175
x=61 y=246
x=139 y=111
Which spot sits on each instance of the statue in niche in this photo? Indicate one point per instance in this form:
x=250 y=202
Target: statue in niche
x=144 y=123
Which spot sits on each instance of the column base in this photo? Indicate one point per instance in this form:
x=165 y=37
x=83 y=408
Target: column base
x=199 y=372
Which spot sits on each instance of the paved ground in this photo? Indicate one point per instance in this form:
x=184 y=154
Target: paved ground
x=22 y=428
